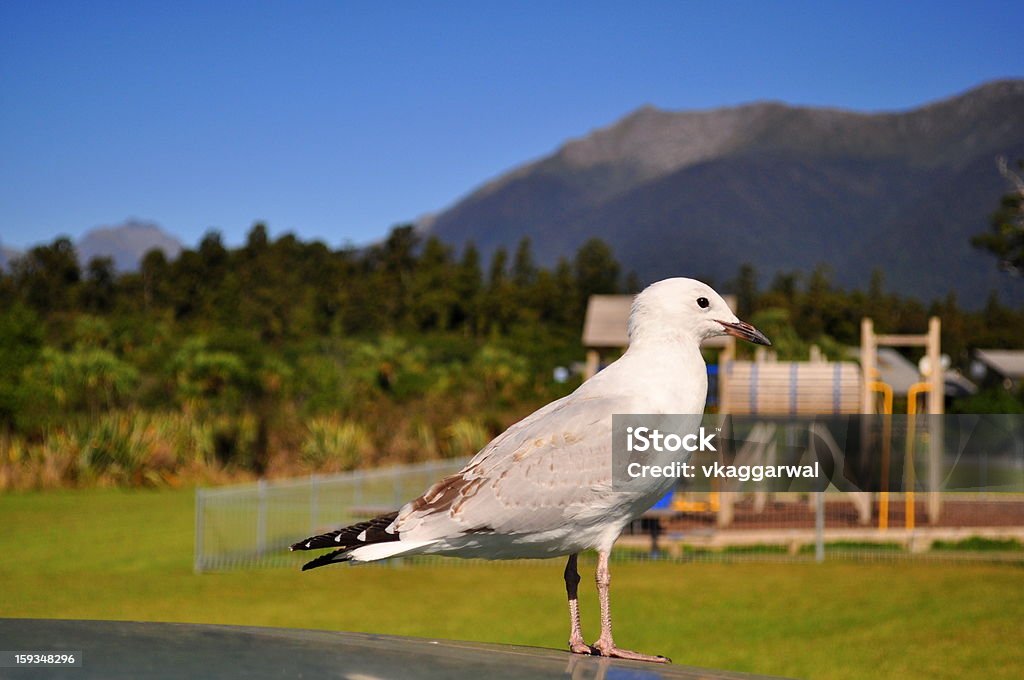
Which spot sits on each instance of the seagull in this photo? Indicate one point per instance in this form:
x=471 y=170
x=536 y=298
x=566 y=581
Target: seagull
x=543 y=488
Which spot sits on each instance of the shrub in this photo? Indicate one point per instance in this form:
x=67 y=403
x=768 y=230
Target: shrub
x=465 y=436
x=333 y=444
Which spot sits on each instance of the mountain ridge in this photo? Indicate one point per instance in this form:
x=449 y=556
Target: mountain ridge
x=850 y=181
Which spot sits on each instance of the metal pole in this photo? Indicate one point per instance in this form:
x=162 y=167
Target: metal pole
x=261 y=518
x=868 y=356
x=867 y=364
x=819 y=526
x=314 y=503
x=936 y=406
x=197 y=554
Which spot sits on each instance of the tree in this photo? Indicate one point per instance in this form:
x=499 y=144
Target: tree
x=154 y=273
x=21 y=341
x=596 y=270
x=496 y=274
x=877 y=305
x=776 y=324
x=212 y=252
x=85 y=379
x=745 y=286
x=208 y=380
x=99 y=290
x=499 y=300
x=257 y=241
x=48 y=276
x=467 y=285
x=395 y=261
x=433 y=295
x=1005 y=238
x=524 y=271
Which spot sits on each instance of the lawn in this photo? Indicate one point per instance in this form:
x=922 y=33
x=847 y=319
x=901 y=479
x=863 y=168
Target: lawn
x=112 y=554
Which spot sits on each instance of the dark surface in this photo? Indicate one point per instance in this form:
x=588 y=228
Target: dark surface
x=121 y=649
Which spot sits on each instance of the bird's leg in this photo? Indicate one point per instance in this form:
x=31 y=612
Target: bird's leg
x=605 y=646
x=572 y=582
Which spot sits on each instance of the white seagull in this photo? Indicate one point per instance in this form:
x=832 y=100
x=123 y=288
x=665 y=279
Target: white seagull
x=543 y=488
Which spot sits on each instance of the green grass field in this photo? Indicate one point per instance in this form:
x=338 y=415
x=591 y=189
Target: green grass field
x=110 y=554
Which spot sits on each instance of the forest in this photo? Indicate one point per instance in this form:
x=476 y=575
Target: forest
x=285 y=357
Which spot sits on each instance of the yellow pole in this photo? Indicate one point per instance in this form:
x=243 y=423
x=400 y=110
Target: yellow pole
x=883 y=497
x=912 y=395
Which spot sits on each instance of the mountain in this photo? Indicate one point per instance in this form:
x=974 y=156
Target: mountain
x=126 y=243
x=783 y=187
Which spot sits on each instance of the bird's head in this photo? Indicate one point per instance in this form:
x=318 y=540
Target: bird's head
x=686 y=309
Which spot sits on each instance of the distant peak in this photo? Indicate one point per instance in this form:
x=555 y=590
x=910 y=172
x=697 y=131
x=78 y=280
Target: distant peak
x=132 y=224
x=644 y=110
x=127 y=242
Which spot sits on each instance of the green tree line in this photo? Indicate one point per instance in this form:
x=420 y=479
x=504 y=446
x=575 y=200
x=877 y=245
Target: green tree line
x=280 y=352
x=282 y=355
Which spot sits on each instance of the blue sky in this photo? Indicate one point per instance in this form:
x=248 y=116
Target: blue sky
x=337 y=120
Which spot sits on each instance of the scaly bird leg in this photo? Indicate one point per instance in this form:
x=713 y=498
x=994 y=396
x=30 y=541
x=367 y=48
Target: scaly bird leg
x=572 y=582
x=605 y=645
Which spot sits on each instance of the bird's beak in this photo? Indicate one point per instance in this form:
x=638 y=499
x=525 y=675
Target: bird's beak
x=745 y=331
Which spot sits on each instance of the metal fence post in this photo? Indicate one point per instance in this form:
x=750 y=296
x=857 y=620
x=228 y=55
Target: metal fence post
x=314 y=503
x=197 y=554
x=261 y=518
x=819 y=526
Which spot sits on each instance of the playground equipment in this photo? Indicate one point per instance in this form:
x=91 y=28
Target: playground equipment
x=817 y=386
x=789 y=387
x=913 y=396
x=932 y=387
x=778 y=388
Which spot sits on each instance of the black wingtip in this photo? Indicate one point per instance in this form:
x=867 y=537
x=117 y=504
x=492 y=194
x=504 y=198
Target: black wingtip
x=329 y=558
x=311 y=543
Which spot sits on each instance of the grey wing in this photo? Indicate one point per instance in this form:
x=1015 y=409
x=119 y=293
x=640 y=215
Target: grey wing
x=549 y=467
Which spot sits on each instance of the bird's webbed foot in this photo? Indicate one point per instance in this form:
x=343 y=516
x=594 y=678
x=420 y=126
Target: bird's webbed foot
x=578 y=646
x=608 y=648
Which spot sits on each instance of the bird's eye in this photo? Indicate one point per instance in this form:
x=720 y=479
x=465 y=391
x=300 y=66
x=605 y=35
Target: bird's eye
x=703 y=303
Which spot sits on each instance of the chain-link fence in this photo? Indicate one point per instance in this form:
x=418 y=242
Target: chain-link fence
x=832 y=525
x=252 y=525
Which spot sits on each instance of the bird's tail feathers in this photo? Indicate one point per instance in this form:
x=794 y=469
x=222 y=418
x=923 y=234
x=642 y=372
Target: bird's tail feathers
x=362 y=542
x=367 y=553
x=328 y=558
x=362 y=533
